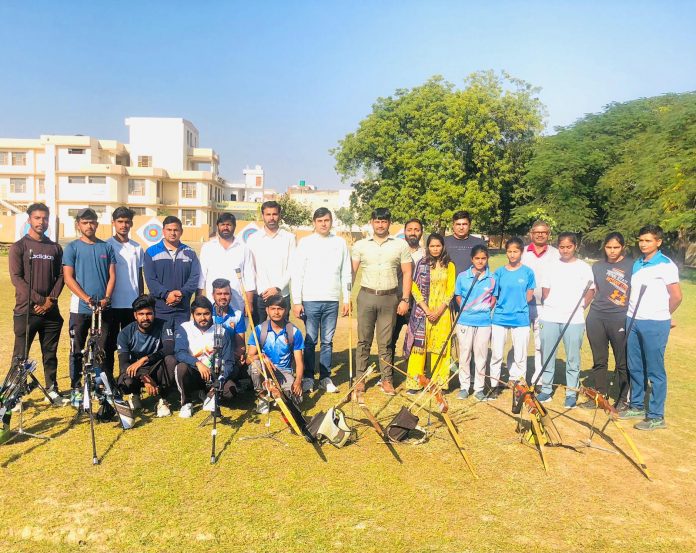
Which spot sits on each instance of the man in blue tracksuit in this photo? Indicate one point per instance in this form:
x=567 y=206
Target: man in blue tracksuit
x=171 y=272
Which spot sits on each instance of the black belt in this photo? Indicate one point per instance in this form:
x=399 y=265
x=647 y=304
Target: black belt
x=379 y=292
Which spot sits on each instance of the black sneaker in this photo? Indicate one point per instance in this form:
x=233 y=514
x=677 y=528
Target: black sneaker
x=588 y=405
x=621 y=405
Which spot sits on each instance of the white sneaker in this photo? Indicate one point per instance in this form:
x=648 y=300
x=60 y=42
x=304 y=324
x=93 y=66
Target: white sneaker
x=328 y=385
x=186 y=411
x=307 y=384
x=209 y=404
x=135 y=402
x=56 y=399
x=262 y=407
x=163 y=409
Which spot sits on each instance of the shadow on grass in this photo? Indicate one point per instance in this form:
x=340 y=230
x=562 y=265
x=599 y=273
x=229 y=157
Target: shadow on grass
x=50 y=422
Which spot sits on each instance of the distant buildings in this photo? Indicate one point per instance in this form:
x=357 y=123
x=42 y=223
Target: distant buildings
x=162 y=170
x=314 y=199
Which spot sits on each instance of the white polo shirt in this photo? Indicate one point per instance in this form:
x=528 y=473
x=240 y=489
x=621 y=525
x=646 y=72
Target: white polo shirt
x=272 y=255
x=655 y=274
x=217 y=261
x=129 y=261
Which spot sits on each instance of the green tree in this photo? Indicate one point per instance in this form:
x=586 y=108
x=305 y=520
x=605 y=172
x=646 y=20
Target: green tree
x=293 y=212
x=435 y=149
x=347 y=216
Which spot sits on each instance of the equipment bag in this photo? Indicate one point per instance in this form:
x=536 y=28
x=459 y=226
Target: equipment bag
x=401 y=425
x=334 y=428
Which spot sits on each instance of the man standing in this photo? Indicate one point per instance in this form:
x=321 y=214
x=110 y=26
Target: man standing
x=272 y=249
x=413 y=232
x=42 y=299
x=460 y=243
x=538 y=256
x=281 y=344
x=194 y=349
x=143 y=346
x=221 y=256
x=89 y=269
x=652 y=321
x=129 y=278
x=172 y=271
x=380 y=300
x=321 y=274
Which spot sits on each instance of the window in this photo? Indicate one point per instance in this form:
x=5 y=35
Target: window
x=259 y=181
x=18 y=186
x=189 y=190
x=188 y=217
x=76 y=180
x=73 y=212
x=144 y=161
x=97 y=180
x=19 y=158
x=76 y=151
x=138 y=210
x=136 y=187
x=42 y=186
x=98 y=208
x=3 y=158
x=159 y=191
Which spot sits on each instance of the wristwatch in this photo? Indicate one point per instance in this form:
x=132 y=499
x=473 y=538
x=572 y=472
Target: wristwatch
x=405 y=300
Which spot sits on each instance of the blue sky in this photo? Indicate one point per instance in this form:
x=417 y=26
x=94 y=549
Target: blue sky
x=279 y=83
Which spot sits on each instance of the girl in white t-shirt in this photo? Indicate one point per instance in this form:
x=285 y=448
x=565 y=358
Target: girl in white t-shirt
x=564 y=284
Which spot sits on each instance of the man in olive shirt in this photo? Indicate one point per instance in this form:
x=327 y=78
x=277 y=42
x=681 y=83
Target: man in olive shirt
x=460 y=243
x=379 y=299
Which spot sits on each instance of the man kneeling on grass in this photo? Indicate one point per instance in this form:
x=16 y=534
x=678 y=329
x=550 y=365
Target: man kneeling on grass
x=281 y=342
x=194 y=349
x=143 y=346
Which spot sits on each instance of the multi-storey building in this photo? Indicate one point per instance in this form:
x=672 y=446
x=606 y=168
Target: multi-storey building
x=162 y=170
x=251 y=190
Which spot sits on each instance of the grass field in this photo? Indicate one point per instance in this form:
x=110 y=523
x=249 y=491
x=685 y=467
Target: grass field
x=155 y=490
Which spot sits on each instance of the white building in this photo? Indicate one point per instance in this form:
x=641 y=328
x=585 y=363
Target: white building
x=160 y=171
x=251 y=190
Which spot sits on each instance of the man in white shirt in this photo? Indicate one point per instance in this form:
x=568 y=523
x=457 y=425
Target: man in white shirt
x=321 y=273
x=129 y=278
x=220 y=257
x=538 y=256
x=272 y=249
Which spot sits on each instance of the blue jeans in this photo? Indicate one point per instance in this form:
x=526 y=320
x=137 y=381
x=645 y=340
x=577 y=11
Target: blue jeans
x=646 y=359
x=572 y=342
x=319 y=316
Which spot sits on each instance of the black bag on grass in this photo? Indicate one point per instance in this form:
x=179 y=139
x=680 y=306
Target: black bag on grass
x=403 y=423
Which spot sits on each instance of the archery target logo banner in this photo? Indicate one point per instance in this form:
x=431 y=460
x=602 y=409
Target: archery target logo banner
x=151 y=231
x=248 y=231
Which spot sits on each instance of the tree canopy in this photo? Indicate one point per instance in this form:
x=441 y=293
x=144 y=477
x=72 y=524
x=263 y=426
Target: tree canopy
x=293 y=213
x=434 y=149
x=632 y=164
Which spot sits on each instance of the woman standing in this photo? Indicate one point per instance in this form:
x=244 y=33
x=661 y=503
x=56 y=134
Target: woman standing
x=606 y=320
x=429 y=324
x=514 y=289
x=563 y=284
x=474 y=324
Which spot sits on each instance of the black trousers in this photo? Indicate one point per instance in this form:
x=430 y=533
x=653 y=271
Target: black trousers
x=79 y=325
x=188 y=380
x=162 y=372
x=401 y=321
x=258 y=309
x=602 y=331
x=120 y=319
x=48 y=328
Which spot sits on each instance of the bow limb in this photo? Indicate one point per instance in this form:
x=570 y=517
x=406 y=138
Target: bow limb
x=641 y=462
x=538 y=433
x=454 y=432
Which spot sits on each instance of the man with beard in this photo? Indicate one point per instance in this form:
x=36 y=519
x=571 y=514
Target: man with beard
x=42 y=298
x=272 y=249
x=221 y=256
x=194 y=350
x=234 y=325
x=89 y=270
x=413 y=232
x=143 y=346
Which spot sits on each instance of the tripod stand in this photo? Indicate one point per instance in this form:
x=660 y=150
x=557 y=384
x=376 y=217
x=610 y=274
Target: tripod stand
x=17 y=384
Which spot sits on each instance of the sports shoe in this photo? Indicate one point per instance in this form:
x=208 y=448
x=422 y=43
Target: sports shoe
x=651 y=424
x=307 y=384
x=387 y=387
x=135 y=402
x=413 y=392
x=463 y=394
x=621 y=405
x=479 y=396
x=163 y=409
x=493 y=395
x=589 y=404
x=262 y=407
x=209 y=403
x=570 y=403
x=632 y=413
x=55 y=399
x=543 y=398
x=328 y=385
x=186 y=411
x=76 y=398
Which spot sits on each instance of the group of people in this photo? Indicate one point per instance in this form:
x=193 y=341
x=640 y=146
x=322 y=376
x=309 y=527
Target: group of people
x=193 y=317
